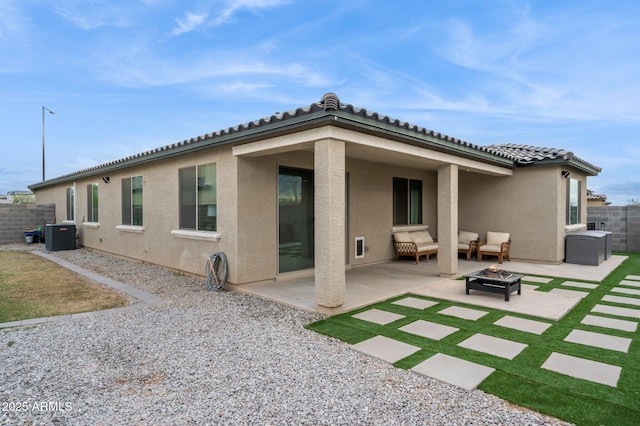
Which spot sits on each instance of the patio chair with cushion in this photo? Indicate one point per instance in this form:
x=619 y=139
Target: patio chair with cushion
x=414 y=244
x=467 y=243
x=497 y=244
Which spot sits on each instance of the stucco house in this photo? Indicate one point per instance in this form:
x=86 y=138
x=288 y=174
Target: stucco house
x=290 y=194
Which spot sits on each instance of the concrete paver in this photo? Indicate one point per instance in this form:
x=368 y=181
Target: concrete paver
x=629 y=283
x=615 y=310
x=414 y=302
x=378 y=316
x=616 y=324
x=465 y=374
x=632 y=291
x=464 y=313
x=580 y=285
x=428 y=329
x=491 y=345
x=620 y=299
x=566 y=292
x=386 y=349
x=585 y=369
x=599 y=340
x=533 y=279
x=523 y=324
x=633 y=277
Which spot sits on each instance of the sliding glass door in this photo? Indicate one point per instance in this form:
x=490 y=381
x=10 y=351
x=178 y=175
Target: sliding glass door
x=295 y=219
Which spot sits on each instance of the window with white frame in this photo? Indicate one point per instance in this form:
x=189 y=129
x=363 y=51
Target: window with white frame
x=132 y=201
x=407 y=201
x=92 y=202
x=573 y=202
x=71 y=203
x=198 y=198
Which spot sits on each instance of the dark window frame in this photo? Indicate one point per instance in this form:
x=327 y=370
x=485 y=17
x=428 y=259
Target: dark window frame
x=92 y=202
x=132 y=201
x=197 y=197
x=407 y=201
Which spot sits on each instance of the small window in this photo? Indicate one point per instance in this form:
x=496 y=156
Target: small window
x=573 y=202
x=132 y=201
x=92 y=202
x=198 y=198
x=407 y=201
x=71 y=203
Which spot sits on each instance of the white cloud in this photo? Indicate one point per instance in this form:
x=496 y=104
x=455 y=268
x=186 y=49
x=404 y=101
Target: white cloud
x=12 y=20
x=193 y=21
x=233 y=6
x=189 y=23
x=93 y=14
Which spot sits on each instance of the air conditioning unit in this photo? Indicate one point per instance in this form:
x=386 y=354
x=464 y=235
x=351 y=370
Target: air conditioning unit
x=59 y=237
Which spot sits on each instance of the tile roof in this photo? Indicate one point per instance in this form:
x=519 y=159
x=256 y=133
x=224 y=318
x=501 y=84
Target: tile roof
x=595 y=197
x=527 y=154
x=330 y=103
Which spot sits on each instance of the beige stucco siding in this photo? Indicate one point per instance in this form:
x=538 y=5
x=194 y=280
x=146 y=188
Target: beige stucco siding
x=371 y=208
x=531 y=205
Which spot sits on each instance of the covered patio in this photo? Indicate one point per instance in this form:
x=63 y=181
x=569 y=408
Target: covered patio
x=376 y=282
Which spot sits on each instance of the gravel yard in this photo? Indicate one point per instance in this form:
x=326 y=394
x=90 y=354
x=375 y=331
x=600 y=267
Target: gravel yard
x=214 y=358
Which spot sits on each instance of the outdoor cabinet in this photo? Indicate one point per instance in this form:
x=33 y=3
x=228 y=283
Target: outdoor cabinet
x=59 y=237
x=586 y=248
x=608 y=242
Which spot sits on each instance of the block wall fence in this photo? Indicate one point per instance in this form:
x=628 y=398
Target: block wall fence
x=16 y=218
x=624 y=222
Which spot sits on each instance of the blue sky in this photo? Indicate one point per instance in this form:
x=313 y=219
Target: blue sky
x=127 y=76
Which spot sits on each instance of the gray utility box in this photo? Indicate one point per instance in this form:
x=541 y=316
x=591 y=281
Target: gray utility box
x=59 y=237
x=586 y=248
x=608 y=242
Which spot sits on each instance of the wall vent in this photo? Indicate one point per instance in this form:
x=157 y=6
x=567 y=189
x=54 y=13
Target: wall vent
x=359 y=247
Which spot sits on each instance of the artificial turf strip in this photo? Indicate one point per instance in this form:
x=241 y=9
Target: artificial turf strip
x=522 y=380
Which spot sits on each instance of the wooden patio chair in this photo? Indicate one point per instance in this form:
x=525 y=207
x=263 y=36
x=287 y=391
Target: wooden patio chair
x=467 y=243
x=496 y=244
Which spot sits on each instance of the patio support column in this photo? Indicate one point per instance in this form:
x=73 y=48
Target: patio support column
x=329 y=214
x=448 y=220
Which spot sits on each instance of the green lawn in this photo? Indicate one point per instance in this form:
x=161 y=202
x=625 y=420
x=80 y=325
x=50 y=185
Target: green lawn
x=522 y=381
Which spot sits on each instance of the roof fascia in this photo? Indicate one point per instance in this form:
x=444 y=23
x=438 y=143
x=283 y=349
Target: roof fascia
x=423 y=140
x=590 y=171
x=252 y=132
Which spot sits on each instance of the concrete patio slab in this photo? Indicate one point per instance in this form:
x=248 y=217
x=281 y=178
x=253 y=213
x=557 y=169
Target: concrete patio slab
x=523 y=324
x=464 y=313
x=615 y=324
x=386 y=349
x=465 y=374
x=617 y=311
x=632 y=291
x=580 y=285
x=629 y=283
x=430 y=330
x=378 y=316
x=532 y=279
x=533 y=303
x=633 y=277
x=567 y=292
x=382 y=281
x=585 y=369
x=599 y=340
x=491 y=345
x=414 y=302
x=620 y=299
